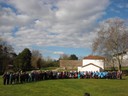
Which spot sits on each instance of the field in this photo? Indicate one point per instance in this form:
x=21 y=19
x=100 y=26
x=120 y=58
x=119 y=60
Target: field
x=67 y=87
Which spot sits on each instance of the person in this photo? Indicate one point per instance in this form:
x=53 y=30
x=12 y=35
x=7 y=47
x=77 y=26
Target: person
x=5 y=78
x=78 y=75
x=86 y=94
x=8 y=77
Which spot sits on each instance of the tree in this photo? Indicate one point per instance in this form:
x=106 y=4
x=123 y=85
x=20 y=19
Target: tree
x=64 y=57
x=112 y=40
x=68 y=57
x=39 y=63
x=36 y=59
x=6 y=55
x=36 y=53
x=73 y=57
x=23 y=60
x=49 y=62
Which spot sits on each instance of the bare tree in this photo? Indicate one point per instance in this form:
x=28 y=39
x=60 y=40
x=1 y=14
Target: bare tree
x=112 y=40
x=36 y=59
x=64 y=57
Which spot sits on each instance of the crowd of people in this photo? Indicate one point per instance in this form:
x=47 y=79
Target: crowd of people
x=24 y=77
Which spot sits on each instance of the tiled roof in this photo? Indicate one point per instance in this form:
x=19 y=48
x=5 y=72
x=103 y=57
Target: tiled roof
x=94 y=57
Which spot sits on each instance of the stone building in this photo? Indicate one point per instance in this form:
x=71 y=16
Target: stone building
x=70 y=64
x=89 y=63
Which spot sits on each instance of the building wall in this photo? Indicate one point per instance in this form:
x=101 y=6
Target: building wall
x=123 y=64
x=125 y=55
x=99 y=63
x=89 y=68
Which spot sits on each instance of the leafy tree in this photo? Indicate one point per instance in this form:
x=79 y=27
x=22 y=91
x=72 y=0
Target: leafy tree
x=23 y=60
x=55 y=63
x=49 y=62
x=73 y=57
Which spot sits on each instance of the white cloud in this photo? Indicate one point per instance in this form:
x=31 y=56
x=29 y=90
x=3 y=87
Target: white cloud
x=58 y=52
x=71 y=25
x=79 y=9
x=10 y=18
x=35 y=8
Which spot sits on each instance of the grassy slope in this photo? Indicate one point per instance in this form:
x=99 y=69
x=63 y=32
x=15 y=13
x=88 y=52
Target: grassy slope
x=67 y=87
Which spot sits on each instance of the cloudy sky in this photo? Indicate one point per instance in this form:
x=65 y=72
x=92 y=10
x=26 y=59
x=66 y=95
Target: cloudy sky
x=56 y=27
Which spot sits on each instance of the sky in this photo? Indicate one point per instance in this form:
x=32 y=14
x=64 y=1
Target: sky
x=56 y=27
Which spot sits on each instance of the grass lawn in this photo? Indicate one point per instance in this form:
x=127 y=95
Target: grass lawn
x=67 y=87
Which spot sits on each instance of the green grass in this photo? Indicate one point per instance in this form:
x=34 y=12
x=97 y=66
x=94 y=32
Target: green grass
x=67 y=87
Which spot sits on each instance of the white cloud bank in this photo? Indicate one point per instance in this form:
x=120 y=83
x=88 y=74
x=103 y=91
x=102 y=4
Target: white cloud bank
x=65 y=23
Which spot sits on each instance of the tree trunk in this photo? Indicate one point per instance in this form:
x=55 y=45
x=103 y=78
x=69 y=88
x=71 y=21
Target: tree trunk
x=119 y=72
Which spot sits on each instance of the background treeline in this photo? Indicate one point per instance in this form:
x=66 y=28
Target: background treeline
x=26 y=60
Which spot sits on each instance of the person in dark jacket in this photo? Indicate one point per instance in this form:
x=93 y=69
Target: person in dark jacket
x=5 y=78
x=8 y=77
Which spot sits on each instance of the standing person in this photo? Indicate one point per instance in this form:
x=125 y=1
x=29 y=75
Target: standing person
x=78 y=75
x=11 y=78
x=17 y=77
x=21 y=77
x=4 y=78
x=8 y=77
